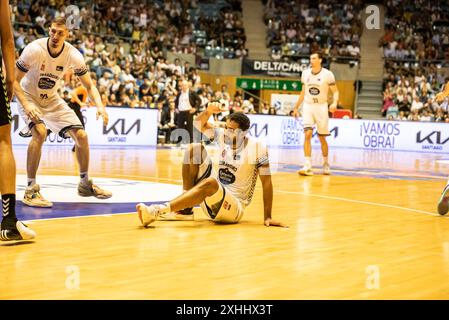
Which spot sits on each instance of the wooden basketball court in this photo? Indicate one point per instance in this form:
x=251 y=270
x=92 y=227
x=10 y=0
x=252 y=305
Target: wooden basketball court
x=369 y=231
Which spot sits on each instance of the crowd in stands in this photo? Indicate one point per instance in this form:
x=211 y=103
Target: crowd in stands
x=414 y=30
x=180 y=26
x=411 y=96
x=297 y=28
x=124 y=43
x=415 y=45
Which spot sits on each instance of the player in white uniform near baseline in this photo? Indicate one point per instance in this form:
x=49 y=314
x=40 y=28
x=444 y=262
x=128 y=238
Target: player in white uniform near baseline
x=316 y=83
x=224 y=196
x=443 y=202
x=39 y=69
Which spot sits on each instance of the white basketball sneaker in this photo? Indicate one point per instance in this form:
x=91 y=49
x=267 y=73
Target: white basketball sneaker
x=326 y=169
x=306 y=171
x=182 y=215
x=147 y=214
x=34 y=198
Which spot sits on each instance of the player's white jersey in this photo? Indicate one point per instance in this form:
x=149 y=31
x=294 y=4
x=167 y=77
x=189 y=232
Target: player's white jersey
x=238 y=170
x=316 y=86
x=43 y=71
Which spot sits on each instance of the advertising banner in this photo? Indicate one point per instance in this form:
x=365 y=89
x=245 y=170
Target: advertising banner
x=273 y=68
x=127 y=127
x=283 y=103
x=366 y=134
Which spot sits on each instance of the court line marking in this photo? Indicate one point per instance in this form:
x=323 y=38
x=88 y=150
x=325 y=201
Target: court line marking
x=329 y=197
x=126 y=176
x=259 y=189
x=359 y=201
x=368 y=174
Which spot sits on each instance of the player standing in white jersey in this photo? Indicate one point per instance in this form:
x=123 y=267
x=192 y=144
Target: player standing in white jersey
x=39 y=69
x=443 y=203
x=225 y=196
x=316 y=83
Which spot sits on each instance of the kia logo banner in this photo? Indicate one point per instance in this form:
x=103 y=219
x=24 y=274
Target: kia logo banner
x=138 y=127
x=127 y=127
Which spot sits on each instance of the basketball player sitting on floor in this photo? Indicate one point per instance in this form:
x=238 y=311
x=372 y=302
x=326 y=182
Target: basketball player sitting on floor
x=223 y=198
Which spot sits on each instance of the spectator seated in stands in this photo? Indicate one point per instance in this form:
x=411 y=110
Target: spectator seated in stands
x=272 y=111
x=294 y=31
x=415 y=46
x=264 y=108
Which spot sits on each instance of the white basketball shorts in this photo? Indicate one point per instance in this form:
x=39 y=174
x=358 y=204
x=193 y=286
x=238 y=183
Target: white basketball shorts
x=316 y=114
x=56 y=115
x=227 y=209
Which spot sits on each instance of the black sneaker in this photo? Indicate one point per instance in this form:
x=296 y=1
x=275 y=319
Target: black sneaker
x=21 y=232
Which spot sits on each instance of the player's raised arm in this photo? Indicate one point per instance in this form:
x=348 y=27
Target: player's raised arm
x=201 y=121
x=94 y=95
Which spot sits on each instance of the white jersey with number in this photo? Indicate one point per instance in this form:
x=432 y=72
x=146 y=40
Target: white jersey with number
x=43 y=71
x=238 y=170
x=316 y=86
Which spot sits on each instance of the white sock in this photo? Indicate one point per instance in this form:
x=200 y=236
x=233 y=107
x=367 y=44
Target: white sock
x=326 y=160
x=84 y=177
x=308 y=162
x=31 y=182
